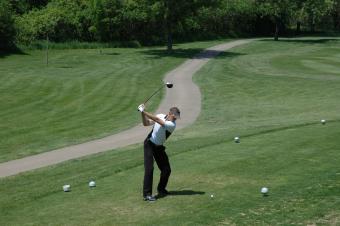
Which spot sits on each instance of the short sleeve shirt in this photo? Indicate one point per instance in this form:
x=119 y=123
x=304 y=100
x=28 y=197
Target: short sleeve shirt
x=158 y=135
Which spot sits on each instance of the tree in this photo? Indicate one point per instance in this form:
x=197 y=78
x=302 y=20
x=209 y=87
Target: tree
x=24 y=6
x=336 y=15
x=223 y=18
x=299 y=14
x=107 y=19
x=134 y=19
x=315 y=9
x=175 y=12
x=280 y=11
x=7 y=31
x=55 y=20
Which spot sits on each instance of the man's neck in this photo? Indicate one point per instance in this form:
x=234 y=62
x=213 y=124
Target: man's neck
x=170 y=118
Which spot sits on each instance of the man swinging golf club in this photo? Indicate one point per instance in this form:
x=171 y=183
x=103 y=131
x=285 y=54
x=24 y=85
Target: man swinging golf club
x=163 y=126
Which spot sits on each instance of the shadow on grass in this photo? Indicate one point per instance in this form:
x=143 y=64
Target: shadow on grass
x=176 y=53
x=14 y=51
x=109 y=53
x=187 y=192
x=225 y=54
x=297 y=126
x=303 y=40
x=181 y=192
x=194 y=53
x=207 y=54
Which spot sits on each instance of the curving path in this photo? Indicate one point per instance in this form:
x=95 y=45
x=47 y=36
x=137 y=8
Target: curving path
x=185 y=95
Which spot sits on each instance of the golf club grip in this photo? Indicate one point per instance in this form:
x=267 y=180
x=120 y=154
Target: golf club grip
x=149 y=98
x=153 y=95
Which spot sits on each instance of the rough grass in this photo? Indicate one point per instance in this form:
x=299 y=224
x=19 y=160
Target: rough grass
x=275 y=111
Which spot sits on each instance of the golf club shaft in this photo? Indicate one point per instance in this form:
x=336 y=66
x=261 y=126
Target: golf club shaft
x=153 y=94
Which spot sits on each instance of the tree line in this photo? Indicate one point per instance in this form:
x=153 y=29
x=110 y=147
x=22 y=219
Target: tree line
x=152 y=22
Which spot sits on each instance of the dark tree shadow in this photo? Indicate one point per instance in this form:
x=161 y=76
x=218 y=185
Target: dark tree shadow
x=207 y=54
x=226 y=54
x=193 y=53
x=111 y=54
x=176 y=53
x=306 y=40
x=13 y=51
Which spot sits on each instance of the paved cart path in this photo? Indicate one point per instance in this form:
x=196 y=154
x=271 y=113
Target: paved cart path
x=185 y=95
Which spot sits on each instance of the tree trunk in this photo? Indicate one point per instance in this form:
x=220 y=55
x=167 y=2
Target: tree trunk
x=47 y=40
x=276 y=37
x=298 y=28
x=312 y=27
x=336 y=21
x=312 y=23
x=168 y=26
x=169 y=45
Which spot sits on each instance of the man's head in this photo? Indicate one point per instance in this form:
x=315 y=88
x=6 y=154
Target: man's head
x=175 y=113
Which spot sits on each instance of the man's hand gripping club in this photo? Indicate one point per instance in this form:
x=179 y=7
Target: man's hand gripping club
x=146 y=116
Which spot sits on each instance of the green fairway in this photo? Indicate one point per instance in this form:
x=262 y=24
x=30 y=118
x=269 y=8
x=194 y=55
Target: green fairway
x=81 y=95
x=270 y=94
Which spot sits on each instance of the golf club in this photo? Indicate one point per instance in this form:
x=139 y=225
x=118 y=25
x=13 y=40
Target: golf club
x=168 y=84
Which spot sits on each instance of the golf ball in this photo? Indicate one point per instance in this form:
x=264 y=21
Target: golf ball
x=212 y=196
x=92 y=184
x=323 y=121
x=67 y=187
x=264 y=190
x=237 y=140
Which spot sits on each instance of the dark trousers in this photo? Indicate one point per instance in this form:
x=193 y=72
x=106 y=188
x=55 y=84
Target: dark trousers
x=151 y=152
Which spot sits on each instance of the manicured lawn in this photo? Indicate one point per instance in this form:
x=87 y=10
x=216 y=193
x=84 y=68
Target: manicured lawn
x=267 y=93
x=81 y=95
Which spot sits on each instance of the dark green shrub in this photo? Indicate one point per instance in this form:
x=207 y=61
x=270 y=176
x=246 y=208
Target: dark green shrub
x=7 y=31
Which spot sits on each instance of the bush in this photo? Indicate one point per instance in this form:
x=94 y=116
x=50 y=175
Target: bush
x=56 y=21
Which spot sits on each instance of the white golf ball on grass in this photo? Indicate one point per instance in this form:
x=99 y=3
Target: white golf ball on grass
x=323 y=121
x=264 y=191
x=92 y=184
x=67 y=188
x=237 y=140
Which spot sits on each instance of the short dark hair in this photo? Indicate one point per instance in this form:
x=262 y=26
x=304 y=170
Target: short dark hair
x=176 y=112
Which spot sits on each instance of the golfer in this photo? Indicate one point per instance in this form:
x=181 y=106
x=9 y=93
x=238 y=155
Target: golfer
x=163 y=126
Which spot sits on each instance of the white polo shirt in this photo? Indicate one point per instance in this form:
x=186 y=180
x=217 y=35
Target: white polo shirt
x=158 y=135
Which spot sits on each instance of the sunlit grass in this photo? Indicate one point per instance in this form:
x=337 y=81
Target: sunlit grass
x=283 y=147
x=83 y=94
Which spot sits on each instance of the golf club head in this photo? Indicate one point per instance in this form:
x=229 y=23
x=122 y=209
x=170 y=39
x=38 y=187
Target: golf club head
x=169 y=85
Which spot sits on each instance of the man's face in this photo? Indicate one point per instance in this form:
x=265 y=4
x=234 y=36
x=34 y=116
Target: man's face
x=172 y=117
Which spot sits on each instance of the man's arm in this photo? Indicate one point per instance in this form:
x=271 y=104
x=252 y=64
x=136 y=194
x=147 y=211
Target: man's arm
x=146 y=121
x=146 y=116
x=153 y=118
